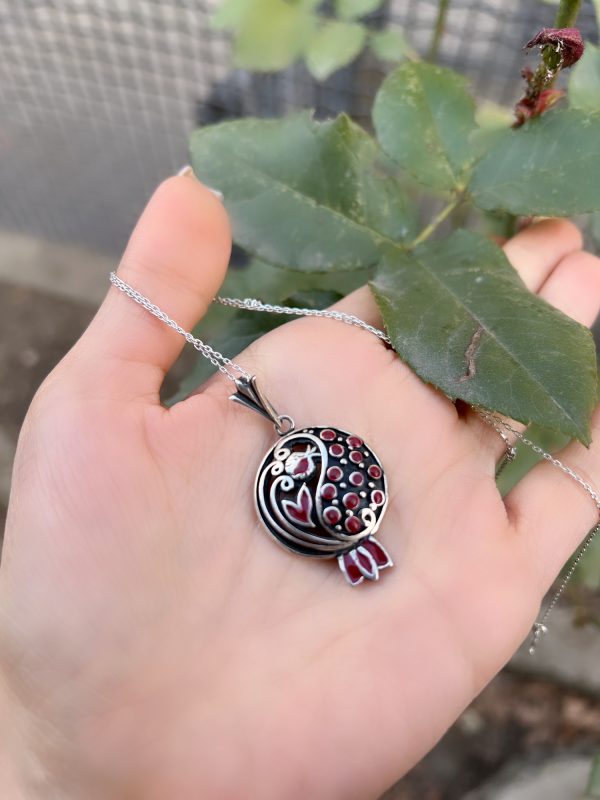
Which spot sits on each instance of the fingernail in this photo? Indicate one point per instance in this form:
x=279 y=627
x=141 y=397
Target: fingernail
x=187 y=172
x=216 y=192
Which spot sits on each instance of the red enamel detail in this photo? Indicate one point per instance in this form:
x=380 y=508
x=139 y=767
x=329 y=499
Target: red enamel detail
x=327 y=435
x=336 y=450
x=351 y=500
x=352 y=570
x=355 y=457
x=353 y=525
x=379 y=555
x=302 y=466
x=332 y=515
x=366 y=564
x=377 y=497
x=356 y=478
x=334 y=473
x=375 y=471
x=328 y=492
x=299 y=510
x=354 y=441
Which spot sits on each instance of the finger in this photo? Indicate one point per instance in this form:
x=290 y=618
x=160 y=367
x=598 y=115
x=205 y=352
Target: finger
x=535 y=253
x=536 y=250
x=177 y=257
x=573 y=287
x=550 y=509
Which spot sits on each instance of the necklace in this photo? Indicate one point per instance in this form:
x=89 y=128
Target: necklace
x=321 y=491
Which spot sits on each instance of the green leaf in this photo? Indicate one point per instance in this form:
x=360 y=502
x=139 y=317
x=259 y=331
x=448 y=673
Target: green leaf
x=273 y=284
x=333 y=46
x=351 y=9
x=302 y=194
x=593 y=789
x=492 y=121
x=459 y=314
x=391 y=45
x=269 y=34
x=584 y=84
x=423 y=117
x=549 y=167
x=230 y=14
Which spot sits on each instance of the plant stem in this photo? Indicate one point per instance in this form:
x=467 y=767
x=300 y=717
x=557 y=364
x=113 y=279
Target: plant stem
x=438 y=31
x=435 y=222
x=566 y=17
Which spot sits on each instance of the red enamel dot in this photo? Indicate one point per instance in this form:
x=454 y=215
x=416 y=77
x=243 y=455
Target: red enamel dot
x=353 y=525
x=332 y=515
x=355 y=457
x=336 y=450
x=356 y=478
x=351 y=500
x=375 y=471
x=354 y=441
x=328 y=492
x=334 y=473
x=377 y=497
x=327 y=435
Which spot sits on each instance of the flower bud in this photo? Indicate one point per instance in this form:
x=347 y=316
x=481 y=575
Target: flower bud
x=566 y=41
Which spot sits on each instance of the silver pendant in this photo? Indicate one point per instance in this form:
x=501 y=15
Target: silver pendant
x=320 y=492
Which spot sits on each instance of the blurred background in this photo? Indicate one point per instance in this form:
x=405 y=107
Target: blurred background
x=97 y=100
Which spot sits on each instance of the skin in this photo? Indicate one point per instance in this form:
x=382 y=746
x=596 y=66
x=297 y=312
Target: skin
x=155 y=643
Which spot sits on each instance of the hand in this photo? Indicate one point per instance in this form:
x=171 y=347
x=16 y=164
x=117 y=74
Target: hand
x=155 y=643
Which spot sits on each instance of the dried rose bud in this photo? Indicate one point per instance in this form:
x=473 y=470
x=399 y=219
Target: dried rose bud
x=566 y=41
x=535 y=105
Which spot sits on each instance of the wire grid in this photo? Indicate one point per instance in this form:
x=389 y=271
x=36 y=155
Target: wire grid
x=98 y=97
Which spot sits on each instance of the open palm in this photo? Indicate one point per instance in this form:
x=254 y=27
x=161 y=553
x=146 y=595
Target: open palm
x=156 y=644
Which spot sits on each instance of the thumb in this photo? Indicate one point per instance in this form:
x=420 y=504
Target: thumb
x=177 y=257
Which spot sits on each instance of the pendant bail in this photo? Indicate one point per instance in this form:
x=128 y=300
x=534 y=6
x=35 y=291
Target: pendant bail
x=249 y=395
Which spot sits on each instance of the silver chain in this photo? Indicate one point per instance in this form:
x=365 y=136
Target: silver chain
x=221 y=362
x=251 y=304
x=504 y=428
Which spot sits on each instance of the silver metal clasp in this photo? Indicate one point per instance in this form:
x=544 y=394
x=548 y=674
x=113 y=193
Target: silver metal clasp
x=249 y=395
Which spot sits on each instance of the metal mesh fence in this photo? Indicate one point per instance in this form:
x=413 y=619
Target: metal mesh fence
x=98 y=97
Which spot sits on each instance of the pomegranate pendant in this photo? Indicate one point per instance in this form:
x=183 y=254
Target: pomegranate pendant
x=321 y=492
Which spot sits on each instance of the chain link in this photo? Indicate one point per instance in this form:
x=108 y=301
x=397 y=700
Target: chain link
x=498 y=423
